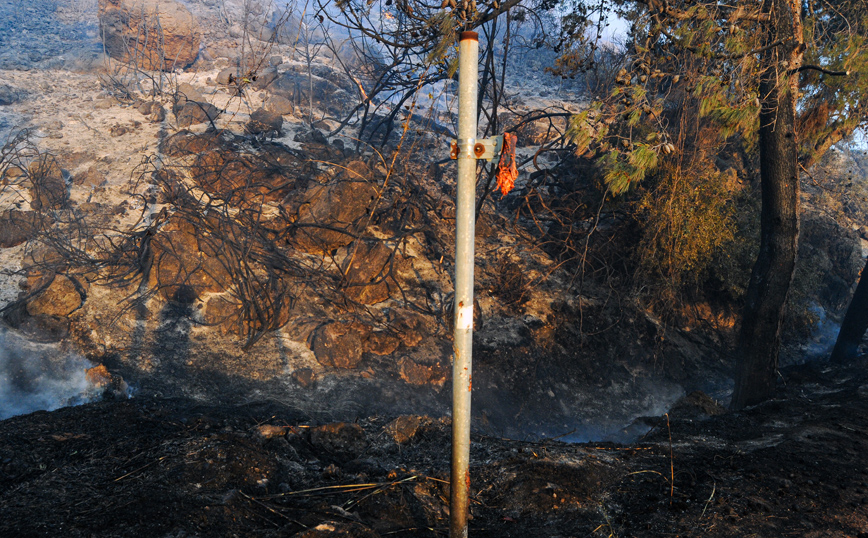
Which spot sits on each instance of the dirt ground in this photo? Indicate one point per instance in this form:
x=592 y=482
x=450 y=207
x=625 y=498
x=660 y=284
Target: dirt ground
x=794 y=466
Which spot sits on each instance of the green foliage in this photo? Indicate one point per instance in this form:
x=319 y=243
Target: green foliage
x=625 y=169
x=689 y=221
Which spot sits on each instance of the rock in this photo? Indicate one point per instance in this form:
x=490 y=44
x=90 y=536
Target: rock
x=193 y=112
x=89 y=178
x=158 y=114
x=8 y=95
x=270 y=431
x=297 y=88
x=278 y=105
x=184 y=143
x=325 y=210
x=419 y=374
x=222 y=312
x=367 y=271
x=244 y=178
x=104 y=104
x=305 y=377
x=313 y=136
x=345 y=440
x=340 y=344
x=60 y=299
x=145 y=108
x=335 y=529
x=275 y=60
x=109 y=384
x=16 y=227
x=226 y=76
x=382 y=343
x=153 y=34
x=264 y=78
x=118 y=130
x=264 y=122
x=47 y=185
x=43 y=329
x=409 y=326
x=180 y=261
x=404 y=428
x=188 y=92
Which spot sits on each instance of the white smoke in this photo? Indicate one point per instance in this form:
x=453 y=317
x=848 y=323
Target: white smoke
x=40 y=376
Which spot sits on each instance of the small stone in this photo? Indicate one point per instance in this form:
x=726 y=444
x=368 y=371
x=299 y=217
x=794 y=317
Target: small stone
x=405 y=428
x=305 y=377
x=270 y=431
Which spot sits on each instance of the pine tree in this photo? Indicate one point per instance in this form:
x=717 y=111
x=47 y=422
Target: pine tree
x=782 y=74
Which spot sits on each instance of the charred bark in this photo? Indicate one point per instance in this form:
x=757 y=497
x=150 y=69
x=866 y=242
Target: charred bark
x=760 y=334
x=855 y=323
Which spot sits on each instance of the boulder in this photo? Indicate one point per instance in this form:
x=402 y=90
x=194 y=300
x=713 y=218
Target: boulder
x=152 y=34
x=180 y=263
x=404 y=428
x=59 y=299
x=411 y=327
x=16 y=227
x=158 y=114
x=246 y=179
x=340 y=344
x=189 y=92
x=226 y=76
x=193 y=112
x=278 y=105
x=297 y=87
x=264 y=78
x=416 y=372
x=184 y=143
x=329 y=216
x=367 y=272
x=89 y=178
x=264 y=122
x=8 y=95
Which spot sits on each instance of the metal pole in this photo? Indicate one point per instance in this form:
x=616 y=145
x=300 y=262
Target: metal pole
x=468 y=72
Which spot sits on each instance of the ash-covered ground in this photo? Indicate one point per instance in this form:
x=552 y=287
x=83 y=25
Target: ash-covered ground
x=793 y=466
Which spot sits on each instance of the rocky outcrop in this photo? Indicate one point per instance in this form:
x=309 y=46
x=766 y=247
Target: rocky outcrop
x=152 y=34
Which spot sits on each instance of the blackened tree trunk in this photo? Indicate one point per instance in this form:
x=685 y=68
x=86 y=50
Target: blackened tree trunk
x=855 y=323
x=760 y=334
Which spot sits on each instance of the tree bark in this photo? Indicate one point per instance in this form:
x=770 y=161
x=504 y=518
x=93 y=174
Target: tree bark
x=855 y=323
x=760 y=334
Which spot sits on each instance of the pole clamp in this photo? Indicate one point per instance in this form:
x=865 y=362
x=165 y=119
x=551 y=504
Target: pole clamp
x=487 y=149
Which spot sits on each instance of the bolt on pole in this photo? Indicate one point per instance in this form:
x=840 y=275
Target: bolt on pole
x=468 y=72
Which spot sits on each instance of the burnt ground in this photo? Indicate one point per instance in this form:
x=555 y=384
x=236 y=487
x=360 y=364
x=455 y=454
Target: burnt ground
x=794 y=466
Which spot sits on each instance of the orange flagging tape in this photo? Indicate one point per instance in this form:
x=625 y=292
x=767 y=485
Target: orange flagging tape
x=507 y=172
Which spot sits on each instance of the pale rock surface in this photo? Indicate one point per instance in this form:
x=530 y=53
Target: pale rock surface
x=154 y=34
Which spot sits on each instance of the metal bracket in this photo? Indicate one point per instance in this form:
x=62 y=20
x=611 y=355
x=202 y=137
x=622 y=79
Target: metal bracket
x=480 y=149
